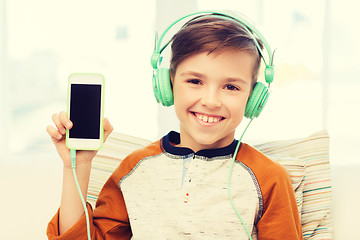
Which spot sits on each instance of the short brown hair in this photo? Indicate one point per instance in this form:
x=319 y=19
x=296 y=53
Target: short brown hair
x=212 y=33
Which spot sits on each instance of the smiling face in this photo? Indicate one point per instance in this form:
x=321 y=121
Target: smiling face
x=210 y=96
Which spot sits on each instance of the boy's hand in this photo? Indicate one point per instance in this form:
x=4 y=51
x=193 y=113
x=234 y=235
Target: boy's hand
x=57 y=134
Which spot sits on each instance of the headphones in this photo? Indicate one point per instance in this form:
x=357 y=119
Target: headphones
x=161 y=77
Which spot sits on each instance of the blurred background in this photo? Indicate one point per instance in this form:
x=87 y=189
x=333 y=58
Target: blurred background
x=42 y=41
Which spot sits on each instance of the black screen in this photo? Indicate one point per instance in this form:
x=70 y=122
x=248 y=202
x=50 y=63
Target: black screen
x=85 y=107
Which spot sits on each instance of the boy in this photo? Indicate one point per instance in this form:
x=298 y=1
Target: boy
x=176 y=188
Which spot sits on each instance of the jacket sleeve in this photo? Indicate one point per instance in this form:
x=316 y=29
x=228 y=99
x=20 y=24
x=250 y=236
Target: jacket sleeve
x=280 y=218
x=109 y=220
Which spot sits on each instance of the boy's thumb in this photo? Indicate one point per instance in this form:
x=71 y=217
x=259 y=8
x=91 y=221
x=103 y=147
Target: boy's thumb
x=108 y=128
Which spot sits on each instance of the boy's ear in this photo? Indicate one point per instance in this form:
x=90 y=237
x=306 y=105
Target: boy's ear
x=253 y=84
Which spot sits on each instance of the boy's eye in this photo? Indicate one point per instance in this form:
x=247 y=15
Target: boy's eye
x=194 y=81
x=231 y=87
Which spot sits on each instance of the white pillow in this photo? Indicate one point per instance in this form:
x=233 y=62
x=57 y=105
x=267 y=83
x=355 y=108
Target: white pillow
x=314 y=152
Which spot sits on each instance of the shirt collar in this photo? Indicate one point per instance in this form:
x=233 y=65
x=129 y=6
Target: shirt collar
x=173 y=138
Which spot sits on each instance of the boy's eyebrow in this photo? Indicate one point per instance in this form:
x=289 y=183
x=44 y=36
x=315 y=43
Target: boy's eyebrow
x=196 y=74
x=200 y=75
x=236 y=80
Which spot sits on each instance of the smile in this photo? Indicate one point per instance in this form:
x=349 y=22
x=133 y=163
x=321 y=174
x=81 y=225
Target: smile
x=207 y=118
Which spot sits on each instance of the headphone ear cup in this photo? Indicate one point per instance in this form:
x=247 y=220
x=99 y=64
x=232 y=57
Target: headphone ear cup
x=164 y=90
x=155 y=84
x=257 y=101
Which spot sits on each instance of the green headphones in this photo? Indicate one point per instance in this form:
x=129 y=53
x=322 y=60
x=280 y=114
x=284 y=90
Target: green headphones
x=161 y=77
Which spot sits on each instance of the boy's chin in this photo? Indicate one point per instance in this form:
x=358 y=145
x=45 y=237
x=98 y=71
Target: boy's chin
x=205 y=139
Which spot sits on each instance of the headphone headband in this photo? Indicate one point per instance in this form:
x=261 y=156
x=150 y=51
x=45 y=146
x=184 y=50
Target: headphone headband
x=250 y=28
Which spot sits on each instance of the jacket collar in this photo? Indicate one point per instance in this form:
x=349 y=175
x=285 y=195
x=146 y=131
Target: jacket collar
x=172 y=139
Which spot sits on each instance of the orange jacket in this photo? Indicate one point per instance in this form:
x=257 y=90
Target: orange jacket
x=166 y=192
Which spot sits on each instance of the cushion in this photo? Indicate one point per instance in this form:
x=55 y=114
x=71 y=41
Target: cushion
x=316 y=202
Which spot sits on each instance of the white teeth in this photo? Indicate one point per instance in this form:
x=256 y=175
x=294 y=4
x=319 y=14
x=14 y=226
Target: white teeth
x=207 y=119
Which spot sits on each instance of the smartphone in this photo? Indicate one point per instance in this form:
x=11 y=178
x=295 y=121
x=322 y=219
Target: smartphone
x=85 y=110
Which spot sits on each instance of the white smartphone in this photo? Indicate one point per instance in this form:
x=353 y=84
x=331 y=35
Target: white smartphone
x=85 y=110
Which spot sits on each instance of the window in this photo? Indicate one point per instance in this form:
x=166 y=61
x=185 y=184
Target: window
x=46 y=41
x=43 y=42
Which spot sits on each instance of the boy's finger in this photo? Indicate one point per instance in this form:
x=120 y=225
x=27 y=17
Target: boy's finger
x=58 y=124
x=53 y=133
x=65 y=120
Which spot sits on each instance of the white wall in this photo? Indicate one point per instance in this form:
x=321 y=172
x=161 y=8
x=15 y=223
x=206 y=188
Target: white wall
x=4 y=89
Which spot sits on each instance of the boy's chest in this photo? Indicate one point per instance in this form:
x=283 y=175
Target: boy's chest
x=189 y=197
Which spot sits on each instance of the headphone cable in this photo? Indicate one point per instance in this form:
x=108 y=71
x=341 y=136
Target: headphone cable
x=229 y=180
x=73 y=165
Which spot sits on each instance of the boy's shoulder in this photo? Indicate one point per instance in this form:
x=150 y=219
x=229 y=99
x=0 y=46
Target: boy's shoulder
x=258 y=162
x=269 y=174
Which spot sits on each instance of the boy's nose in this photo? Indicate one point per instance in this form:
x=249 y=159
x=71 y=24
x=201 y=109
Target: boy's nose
x=211 y=99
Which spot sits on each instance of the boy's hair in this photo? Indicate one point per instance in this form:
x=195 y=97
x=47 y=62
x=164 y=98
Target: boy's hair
x=212 y=34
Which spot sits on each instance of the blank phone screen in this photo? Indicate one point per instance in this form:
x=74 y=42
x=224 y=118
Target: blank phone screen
x=85 y=107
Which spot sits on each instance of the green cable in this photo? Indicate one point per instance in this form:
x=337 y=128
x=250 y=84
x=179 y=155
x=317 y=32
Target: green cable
x=73 y=165
x=229 y=179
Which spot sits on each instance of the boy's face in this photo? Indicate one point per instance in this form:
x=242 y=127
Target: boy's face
x=210 y=96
